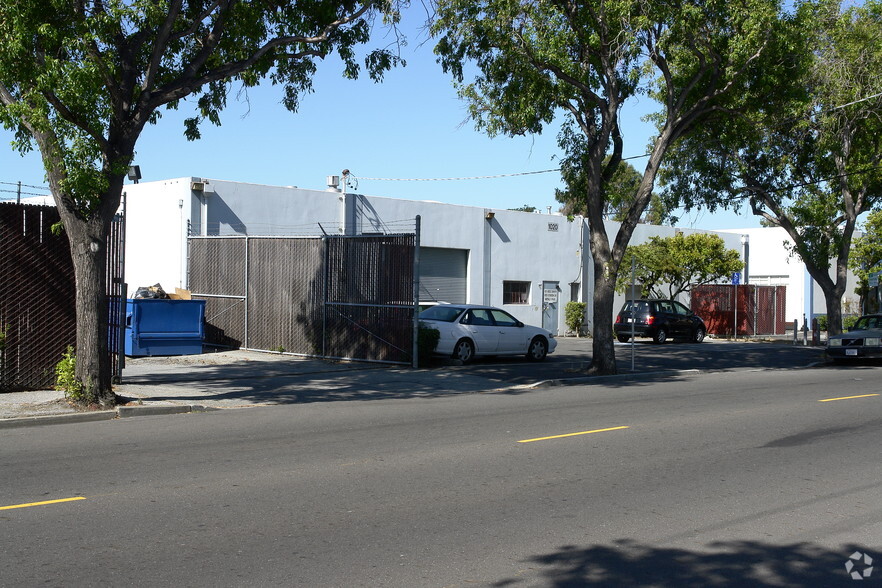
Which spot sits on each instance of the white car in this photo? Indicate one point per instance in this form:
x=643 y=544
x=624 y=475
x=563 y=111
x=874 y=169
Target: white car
x=471 y=330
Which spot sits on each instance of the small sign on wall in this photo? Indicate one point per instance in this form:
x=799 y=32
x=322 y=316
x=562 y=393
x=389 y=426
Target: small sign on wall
x=550 y=296
x=552 y=227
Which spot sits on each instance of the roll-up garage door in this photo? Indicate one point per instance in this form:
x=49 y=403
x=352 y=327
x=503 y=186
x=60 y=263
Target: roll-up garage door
x=443 y=274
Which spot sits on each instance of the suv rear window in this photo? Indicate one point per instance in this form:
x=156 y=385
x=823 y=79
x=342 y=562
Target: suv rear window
x=640 y=306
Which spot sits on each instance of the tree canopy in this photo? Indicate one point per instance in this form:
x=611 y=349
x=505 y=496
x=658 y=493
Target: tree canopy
x=80 y=80
x=678 y=264
x=808 y=157
x=866 y=252
x=618 y=196
x=536 y=60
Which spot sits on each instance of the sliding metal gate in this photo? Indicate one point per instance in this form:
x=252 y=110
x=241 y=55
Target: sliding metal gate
x=337 y=297
x=38 y=296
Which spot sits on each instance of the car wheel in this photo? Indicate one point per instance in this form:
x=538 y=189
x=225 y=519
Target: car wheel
x=538 y=349
x=698 y=335
x=623 y=338
x=464 y=350
x=660 y=336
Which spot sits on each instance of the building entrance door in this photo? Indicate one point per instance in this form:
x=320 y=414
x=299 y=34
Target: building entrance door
x=550 y=304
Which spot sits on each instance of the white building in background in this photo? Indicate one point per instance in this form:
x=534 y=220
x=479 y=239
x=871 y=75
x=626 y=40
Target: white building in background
x=530 y=264
x=770 y=263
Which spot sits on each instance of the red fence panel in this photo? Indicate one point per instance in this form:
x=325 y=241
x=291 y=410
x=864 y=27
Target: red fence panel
x=761 y=310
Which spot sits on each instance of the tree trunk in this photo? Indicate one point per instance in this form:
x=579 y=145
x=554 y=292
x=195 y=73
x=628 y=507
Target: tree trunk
x=89 y=253
x=603 y=360
x=833 y=301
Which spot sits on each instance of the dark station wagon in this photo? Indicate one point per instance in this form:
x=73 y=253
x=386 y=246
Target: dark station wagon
x=863 y=340
x=660 y=320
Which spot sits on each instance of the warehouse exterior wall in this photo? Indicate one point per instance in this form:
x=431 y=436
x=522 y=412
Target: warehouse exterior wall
x=547 y=251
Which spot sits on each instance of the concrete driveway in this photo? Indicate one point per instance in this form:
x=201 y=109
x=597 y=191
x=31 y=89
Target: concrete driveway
x=573 y=356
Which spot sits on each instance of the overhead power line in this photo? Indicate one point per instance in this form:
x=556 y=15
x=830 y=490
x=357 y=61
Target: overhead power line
x=25 y=186
x=23 y=193
x=490 y=177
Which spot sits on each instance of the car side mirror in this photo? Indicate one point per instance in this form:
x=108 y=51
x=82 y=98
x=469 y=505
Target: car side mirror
x=519 y=324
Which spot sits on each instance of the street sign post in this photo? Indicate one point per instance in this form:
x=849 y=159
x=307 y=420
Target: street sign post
x=736 y=279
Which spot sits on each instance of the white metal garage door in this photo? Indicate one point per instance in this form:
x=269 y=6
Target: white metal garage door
x=443 y=274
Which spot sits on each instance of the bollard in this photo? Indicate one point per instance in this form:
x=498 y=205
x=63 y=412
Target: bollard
x=816 y=332
x=796 y=331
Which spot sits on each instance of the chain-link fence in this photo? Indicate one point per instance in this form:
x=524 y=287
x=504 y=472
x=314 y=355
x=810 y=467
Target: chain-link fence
x=38 y=296
x=335 y=296
x=37 y=310
x=761 y=310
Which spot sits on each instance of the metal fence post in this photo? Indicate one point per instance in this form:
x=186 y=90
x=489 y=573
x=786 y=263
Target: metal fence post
x=247 y=260
x=416 y=294
x=774 y=310
x=325 y=271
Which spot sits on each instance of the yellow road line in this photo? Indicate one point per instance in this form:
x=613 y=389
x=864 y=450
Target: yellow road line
x=847 y=397
x=45 y=502
x=571 y=434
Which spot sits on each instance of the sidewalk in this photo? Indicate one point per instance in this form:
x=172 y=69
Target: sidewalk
x=238 y=379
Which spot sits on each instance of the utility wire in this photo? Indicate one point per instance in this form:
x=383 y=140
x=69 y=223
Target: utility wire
x=24 y=186
x=24 y=193
x=544 y=171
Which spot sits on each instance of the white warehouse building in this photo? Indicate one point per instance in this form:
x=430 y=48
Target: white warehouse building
x=527 y=263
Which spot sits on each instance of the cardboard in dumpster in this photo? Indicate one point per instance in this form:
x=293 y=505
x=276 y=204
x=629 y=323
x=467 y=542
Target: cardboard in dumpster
x=180 y=294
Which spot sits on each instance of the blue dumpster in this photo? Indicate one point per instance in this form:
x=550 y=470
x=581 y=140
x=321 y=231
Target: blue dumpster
x=164 y=326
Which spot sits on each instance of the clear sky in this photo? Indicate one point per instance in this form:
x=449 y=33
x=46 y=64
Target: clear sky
x=411 y=126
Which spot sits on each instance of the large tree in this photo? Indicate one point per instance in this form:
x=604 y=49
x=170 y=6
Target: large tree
x=82 y=78
x=808 y=159
x=536 y=60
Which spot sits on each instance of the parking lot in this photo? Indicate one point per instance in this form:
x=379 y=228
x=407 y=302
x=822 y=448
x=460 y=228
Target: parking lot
x=573 y=356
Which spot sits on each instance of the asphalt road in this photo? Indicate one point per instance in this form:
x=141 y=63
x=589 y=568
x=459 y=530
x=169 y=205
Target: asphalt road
x=720 y=479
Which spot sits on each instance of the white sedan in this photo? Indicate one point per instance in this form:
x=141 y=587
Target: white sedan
x=470 y=330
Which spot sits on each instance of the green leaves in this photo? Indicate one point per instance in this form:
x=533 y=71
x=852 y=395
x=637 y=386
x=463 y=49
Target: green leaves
x=618 y=193
x=537 y=60
x=866 y=252
x=80 y=80
x=83 y=78
x=802 y=144
x=678 y=263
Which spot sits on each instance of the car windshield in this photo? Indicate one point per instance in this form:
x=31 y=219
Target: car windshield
x=867 y=322
x=442 y=312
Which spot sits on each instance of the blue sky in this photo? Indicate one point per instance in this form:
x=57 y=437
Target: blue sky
x=411 y=126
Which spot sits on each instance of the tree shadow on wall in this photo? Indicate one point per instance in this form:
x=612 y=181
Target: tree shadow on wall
x=729 y=563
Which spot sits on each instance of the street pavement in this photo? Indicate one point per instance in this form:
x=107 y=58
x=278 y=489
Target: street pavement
x=239 y=379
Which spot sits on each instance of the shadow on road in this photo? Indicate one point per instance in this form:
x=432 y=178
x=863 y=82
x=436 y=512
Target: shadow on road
x=729 y=563
x=249 y=378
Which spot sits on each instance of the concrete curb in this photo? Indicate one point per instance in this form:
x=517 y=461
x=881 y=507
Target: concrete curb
x=58 y=419
x=104 y=415
x=134 y=411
